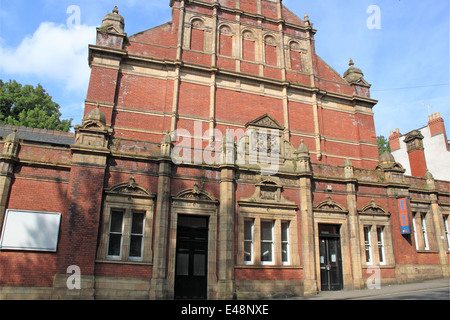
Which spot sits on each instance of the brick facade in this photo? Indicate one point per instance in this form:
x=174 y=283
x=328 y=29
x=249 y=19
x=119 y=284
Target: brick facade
x=242 y=66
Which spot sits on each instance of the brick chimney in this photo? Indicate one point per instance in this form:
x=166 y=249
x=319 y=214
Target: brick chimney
x=436 y=126
x=416 y=154
x=394 y=140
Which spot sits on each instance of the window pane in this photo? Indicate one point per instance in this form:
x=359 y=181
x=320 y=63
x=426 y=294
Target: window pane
x=199 y=264
x=284 y=252
x=248 y=226
x=183 y=263
x=247 y=251
x=266 y=230
x=116 y=221
x=137 y=226
x=284 y=231
x=266 y=252
x=114 y=244
x=367 y=244
x=136 y=246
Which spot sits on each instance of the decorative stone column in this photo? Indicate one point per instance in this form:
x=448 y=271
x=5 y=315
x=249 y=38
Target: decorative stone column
x=353 y=223
x=310 y=285
x=161 y=221
x=8 y=159
x=225 y=284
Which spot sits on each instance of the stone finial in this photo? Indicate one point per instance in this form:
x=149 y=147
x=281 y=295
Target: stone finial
x=302 y=149
x=11 y=146
x=351 y=63
x=166 y=145
x=307 y=22
x=116 y=10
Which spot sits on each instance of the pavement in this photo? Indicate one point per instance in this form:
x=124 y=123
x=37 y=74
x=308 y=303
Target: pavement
x=384 y=290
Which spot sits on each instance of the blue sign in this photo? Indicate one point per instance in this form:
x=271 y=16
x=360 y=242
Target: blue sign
x=403 y=210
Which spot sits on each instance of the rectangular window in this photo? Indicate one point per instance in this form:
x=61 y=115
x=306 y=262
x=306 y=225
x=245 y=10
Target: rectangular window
x=367 y=245
x=285 y=242
x=115 y=234
x=415 y=231
x=267 y=242
x=447 y=231
x=380 y=240
x=248 y=241
x=424 y=231
x=137 y=235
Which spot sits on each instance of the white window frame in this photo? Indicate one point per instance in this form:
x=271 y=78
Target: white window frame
x=424 y=231
x=380 y=243
x=368 y=245
x=285 y=242
x=115 y=257
x=447 y=234
x=142 y=235
x=271 y=241
x=415 y=230
x=251 y=241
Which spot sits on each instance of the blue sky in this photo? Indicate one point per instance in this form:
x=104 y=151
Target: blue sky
x=402 y=46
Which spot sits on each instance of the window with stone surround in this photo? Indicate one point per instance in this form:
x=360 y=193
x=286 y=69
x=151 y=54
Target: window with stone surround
x=266 y=242
x=126 y=231
x=375 y=228
x=267 y=227
x=424 y=236
x=197 y=35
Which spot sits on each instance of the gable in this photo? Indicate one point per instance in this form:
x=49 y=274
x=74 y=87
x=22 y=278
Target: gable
x=265 y=121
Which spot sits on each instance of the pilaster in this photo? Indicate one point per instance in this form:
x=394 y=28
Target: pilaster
x=310 y=285
x=161 y=222
x=353 y=223
x=8 y=160
x=226 y=261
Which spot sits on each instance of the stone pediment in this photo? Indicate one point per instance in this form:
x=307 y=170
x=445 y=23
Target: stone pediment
x=194 y=194
x=268 y=192
x=265 y=121
x=373 y=209
x=130 y=188
x=330 y=205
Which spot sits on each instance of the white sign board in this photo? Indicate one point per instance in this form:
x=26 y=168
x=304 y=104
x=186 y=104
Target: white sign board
x=30 y=230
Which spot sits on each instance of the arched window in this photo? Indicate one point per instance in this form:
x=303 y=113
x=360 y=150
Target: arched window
x=225 y=41
x=248 y=46
x=197 y=35
x=295 y=56
x=270 y=48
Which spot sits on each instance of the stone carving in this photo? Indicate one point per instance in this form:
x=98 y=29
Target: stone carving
x=373 y=209
x=330 y=205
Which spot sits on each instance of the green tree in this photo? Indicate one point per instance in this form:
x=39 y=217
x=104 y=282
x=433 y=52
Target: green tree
x=27 y=106
x=383 y=145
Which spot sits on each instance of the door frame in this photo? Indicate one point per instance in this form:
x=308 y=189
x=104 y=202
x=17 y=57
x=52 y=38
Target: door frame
x=192 y=245
x=340 y=220
x=327 y=237
x=205 y=208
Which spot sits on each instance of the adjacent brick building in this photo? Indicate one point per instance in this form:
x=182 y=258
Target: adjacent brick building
x=219 y=157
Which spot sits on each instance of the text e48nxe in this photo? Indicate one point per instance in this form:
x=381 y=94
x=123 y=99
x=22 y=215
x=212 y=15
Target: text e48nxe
x=246 y=309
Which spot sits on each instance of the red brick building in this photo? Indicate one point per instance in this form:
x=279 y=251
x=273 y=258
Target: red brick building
x=219 y=157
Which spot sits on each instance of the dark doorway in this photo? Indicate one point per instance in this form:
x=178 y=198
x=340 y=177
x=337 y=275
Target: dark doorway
x=330 y=258
x=192 y=256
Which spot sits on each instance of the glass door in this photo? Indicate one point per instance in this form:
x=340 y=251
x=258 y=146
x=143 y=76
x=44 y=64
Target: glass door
x=330 y=261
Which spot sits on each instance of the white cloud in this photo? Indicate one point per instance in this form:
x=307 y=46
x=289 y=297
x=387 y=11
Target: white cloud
x=54 y=52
